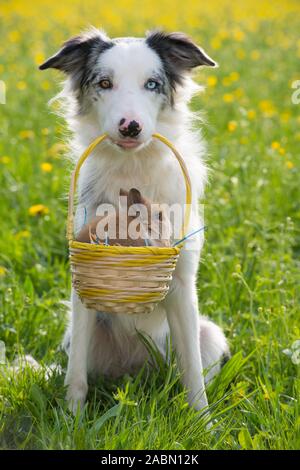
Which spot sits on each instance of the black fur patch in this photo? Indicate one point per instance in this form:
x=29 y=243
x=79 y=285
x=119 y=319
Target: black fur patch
x=178 y=54
x=77 y=52
x=77 y=59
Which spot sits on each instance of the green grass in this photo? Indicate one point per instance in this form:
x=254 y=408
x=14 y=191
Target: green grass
x=248 y=279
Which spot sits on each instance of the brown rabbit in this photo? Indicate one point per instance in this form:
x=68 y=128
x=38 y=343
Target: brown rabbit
x=145 y=227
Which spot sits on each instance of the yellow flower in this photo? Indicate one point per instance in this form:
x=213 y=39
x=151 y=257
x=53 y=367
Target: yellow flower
x=39 y=58
x=5 y=159
x=234 y=76
x=275 y=145
x=216 y=43
x=267 y=107
x=45 y=131
x=46 y=167
x=228 y=97
x=21 y=85
x=251 y=114
x=22 y=234
x=281 y=151
x=238 y=35
x=290 y=165
x=38 y=209
x=45 y=85
x=2 y=271
x=26 y=134
x=212 y=80
x=232 y=125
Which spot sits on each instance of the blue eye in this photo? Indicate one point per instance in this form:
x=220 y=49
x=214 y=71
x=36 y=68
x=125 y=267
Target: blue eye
x=151 y=85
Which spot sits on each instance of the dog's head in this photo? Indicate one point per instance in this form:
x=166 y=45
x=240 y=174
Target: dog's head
x=126 y=83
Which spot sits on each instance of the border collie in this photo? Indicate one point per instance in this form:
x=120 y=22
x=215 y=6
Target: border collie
x=130 y=88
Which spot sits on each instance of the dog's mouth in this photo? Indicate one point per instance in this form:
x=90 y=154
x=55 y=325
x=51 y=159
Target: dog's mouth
x=127 y=143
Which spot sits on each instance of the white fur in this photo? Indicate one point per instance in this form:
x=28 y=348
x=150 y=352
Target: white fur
x=110 y=345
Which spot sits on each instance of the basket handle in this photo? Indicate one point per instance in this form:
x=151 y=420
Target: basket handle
x=91 y=147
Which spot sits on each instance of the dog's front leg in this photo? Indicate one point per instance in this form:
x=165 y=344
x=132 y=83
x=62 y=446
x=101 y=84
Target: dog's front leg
x=82 y=326
x=183 y=318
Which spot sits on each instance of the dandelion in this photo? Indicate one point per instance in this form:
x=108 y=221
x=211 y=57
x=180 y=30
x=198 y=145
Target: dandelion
x=234 y=76
x=45 y=131
x=38 y=209
x=251 y=114
x=232 y=125
x=21 y=85
x=216 y=43
x=228 y=98
x=46 y=167
x=212 y=80
x=2 y=271
x=238 y=35
x=22 y=234
x=275 y=145
x=281 y=150
x=39 y=58
x=267 y=107
x=5 y=160
x=45 y=85
x=26 y=134
x=290 y=165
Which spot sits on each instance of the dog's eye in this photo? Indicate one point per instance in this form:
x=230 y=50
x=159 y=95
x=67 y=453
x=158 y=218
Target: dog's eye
x=152 y=85
x=105 y=84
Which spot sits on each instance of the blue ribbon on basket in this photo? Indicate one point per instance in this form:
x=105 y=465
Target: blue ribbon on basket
x=147 y=243
x=189 y=235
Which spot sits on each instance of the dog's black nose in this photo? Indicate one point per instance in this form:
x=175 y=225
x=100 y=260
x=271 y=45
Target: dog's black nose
x=129 y=129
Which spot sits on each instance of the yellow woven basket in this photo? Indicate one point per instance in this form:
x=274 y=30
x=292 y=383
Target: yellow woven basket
x=122 y=279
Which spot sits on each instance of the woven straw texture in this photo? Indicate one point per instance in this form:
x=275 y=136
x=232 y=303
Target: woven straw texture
x=121 y=279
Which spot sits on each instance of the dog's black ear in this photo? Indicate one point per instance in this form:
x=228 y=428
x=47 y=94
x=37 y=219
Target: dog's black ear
x=76 y=51
x=178 y=50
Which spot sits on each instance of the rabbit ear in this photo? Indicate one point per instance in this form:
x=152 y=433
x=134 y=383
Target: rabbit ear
x=135 y=197
x=75 y=52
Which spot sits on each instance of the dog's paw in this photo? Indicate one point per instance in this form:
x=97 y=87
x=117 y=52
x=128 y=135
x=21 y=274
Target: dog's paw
x=76 y=395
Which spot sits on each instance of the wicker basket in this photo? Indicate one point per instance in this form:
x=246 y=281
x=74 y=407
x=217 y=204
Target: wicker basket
x=122 y=279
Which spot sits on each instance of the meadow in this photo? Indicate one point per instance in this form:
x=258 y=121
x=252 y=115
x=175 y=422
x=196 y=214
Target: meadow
x=249 y=274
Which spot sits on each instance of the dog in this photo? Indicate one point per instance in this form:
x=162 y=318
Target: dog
x=130 y=88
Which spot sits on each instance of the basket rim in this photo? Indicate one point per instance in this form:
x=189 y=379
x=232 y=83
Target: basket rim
x=120 y=249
